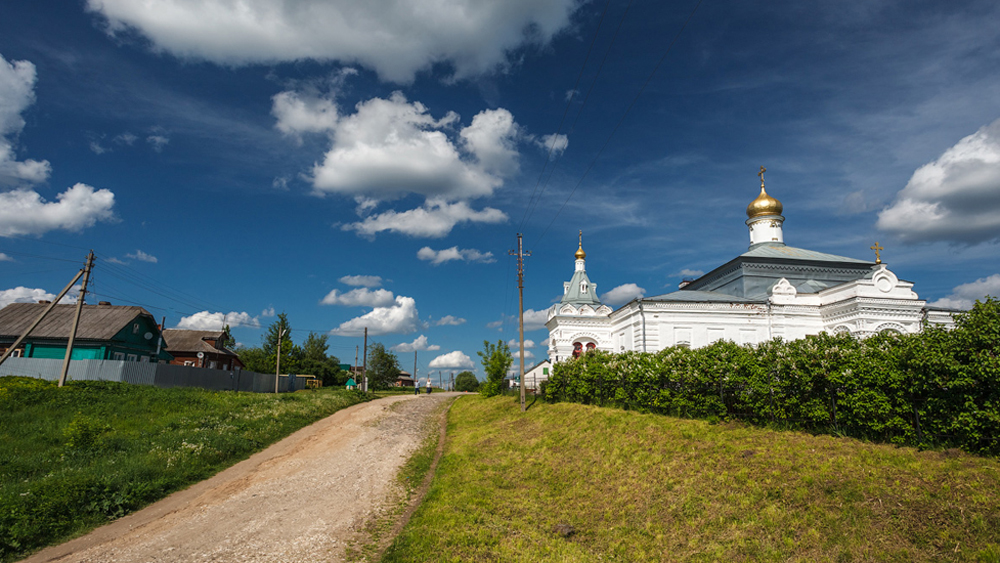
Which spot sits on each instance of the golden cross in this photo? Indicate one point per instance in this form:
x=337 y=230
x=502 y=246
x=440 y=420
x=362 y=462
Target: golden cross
x=878 y=249
x=761 y=175
x=581 y=239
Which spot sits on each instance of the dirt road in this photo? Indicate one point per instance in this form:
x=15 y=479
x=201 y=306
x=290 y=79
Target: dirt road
x=301 y=500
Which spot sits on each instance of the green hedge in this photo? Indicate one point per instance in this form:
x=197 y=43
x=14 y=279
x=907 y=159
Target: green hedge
x=938 y=388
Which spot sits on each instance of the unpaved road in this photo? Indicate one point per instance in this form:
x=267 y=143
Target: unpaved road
x=301 y=500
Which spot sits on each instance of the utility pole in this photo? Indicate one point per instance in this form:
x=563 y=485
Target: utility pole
x=414 y=368
x=76 y=318
x=452 y=381
x=51 y=306
x=364 y=375
x=277 y=365
x=521 y=254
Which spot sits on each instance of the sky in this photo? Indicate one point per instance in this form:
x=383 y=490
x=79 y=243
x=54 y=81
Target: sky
x=370 y=164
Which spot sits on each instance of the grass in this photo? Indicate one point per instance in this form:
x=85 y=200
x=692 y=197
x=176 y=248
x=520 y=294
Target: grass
x=569 y=482
x=72 y=458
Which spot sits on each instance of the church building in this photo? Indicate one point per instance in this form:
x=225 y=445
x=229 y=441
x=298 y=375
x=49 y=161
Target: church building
x=770 y=291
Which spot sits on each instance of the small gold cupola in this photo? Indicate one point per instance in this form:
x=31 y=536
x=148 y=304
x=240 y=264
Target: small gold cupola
x=764 y=204
x=580 y=254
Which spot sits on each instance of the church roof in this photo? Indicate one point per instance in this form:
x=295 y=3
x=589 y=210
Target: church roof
x=575 y=293
x=690 y=296
x=768 y=250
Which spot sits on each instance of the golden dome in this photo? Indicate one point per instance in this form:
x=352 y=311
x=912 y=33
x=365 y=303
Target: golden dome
x=763 y=205
x=580 y=254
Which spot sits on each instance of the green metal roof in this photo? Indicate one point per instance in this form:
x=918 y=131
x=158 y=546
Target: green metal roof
x=692 y=296
x=575 y=296
x=770 y=250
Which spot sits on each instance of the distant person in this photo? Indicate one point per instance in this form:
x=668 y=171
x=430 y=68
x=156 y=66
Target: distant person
x=416 y=387
x=428 y=386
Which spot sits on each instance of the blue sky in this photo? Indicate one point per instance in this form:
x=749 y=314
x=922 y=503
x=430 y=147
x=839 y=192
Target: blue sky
x=370 y=163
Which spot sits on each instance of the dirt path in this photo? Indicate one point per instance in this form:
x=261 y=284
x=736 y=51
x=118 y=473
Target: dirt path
x=300 y=500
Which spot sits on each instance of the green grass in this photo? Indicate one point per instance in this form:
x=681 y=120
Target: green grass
x=73 y=458
x=640 y=487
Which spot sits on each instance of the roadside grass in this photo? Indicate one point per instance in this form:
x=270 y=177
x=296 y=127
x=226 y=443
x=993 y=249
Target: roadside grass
x=378 y=530
x=569 y=482
x=73 y=458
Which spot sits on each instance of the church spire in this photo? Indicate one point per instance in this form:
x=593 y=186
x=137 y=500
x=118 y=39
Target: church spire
x=764 y=217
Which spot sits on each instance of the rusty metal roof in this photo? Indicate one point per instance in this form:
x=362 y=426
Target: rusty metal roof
x=180 y=340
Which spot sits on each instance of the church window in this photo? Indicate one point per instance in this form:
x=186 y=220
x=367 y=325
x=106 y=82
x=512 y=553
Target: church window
x=577 y=349
x=591 y=346
x=583 y=288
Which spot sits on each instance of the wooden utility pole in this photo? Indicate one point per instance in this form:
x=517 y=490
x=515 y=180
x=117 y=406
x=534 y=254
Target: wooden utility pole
x=277 y=365
x=521 y=255
x=364 y=370
x=414 y=368
x=76 y=318
x=51 y=306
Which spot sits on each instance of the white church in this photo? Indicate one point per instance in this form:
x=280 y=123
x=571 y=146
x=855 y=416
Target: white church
x=770 y=291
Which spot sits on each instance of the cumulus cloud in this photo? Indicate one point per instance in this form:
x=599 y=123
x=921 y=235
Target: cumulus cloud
x=24 y=212
x=399 y=318
x=964 y=296
x=956 y=198
x=434 y=220
x=142 y=257
x=452 y=360
x=688 y=273
x=206 y=320
x=17 y=93
x=269 y=312
x=395 y=38
x=533 y=320
x=5 y=258
x=362 y=281
x=528 y=343
x=420 y=344
x=157 y=142
x=21 y=294
x=623 y=294
x=360 y=297
x=554 y=144
x=437 y=257
x=449 y=320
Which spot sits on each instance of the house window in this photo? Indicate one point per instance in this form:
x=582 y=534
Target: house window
x=188 y=363
x=545 y=371
x=16 y=353
x=144 y=359
x=211 y=364
x=118 y=356
x=132 y=357
x=135 y=328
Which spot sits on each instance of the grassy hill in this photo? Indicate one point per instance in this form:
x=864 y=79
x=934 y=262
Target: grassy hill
x=72 y=458
x=568 y=482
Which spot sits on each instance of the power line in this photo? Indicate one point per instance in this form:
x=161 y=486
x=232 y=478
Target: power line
x=624 y=115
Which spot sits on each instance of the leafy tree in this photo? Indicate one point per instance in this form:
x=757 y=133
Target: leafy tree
x=315 y=361
x=383 y=367
x=466 y=381
x=496 y=360
x=264 y=358
x=227 y=338
x=254 y=359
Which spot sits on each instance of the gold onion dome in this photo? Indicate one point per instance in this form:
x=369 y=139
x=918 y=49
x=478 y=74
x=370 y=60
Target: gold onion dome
x=763 y=205
x=580 y=254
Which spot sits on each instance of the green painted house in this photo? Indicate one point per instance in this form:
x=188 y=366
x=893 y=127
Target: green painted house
x=105 y=332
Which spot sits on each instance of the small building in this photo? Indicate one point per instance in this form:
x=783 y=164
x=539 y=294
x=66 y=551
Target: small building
x=404 y=380
x=105 y=332
x=200 y=348
x=539 y=373
x=351 y=384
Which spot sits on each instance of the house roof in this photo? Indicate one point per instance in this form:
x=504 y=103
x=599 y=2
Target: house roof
x=180 y=340
x=97 y=322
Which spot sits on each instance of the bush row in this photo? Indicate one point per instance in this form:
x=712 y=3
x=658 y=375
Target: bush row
x=938 y=388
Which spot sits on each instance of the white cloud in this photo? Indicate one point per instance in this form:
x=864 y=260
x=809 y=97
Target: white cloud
x=688 y=273
x=142 y=257
x=96 y=148
x=360 y=297
x=544 y=343
x=114 y=260
x=396 y=38
x=269 y=312
x=400 y=318
x=449 y=320
x=17 y=92
x=623 y=294
x=437 y=257
x=554 y=144
x=391 y=147
x=527 y=343
x=956 y=198
x=125 y=139
x=23 y=294
x=24 y=212
x=452 y=360
x=157 y=142
x=299 y=113
x=528 y=354
x=964 y=296
x=205 y=320
x=420 y=344
x=5 y=258
x=434 y=220
x=363 y=281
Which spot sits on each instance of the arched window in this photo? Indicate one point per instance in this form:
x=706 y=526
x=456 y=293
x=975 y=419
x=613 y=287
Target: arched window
x=583 y=288
x=591 y=346
x=577 y=349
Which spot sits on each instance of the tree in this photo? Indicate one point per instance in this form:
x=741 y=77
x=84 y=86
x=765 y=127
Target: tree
x=227 y=338
x=263 y=359
x=466 y=381
x=315 y=361
x=496 y=360
x=383 y=367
